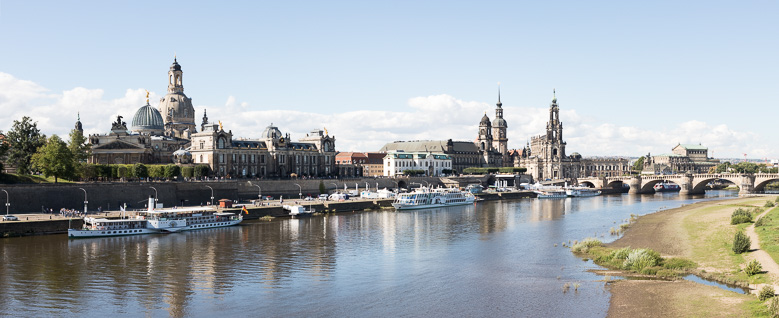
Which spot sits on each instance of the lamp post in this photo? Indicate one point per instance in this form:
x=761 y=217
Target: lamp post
x=7 y=203
x=212 y=195
x=85 y=200
x=397 y=186
x=427 y=184
x=335 y=185
x=155 y=197
x=300 y=191
x=259 y=195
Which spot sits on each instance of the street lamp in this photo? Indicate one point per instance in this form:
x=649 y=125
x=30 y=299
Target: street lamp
x=212 y=195
x=259 y=195
x=7 y=204
x=155 y=197
x=335 y=185
x=85 y=200
x=300 y=192
x=397 y=186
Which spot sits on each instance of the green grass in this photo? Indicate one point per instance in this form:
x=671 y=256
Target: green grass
x=10 y=178
x=769 y=234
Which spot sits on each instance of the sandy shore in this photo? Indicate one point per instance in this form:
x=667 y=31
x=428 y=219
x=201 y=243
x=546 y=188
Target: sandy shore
x=666 y=233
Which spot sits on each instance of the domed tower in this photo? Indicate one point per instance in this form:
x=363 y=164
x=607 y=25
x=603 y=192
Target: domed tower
x=79 y=127
x=176 y=108
x=485 y=134
x=554 y=129
x=499 y=126
x=147 y=120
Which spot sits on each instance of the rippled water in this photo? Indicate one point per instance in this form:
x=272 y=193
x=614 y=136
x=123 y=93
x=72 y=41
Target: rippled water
x=491 y=259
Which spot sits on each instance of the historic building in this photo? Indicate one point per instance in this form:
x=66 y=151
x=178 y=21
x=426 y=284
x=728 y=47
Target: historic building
x=493 y=140
x=545 y=158
x=272 y=155
x=464 y=154
x=684 y=158
x=350 y=164
x=433 y=164
x=151 y=138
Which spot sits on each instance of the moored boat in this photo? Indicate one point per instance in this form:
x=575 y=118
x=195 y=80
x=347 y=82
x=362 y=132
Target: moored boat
x=581 y=192
x=667 y=187
x=426 y=198
x=157 y=221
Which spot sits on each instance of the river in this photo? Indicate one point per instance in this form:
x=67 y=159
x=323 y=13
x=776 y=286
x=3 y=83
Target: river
x=491 y=259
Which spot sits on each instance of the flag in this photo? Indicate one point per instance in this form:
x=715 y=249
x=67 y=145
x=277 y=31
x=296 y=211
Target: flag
x=243 y=208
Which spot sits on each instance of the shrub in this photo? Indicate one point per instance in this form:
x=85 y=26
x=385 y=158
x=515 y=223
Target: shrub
x=586 y=244
x=768 y=204
x=620 y=253
x=650 y=270
x=639 y=259
x=753 y=267
x=187 y=172
x=679 y=263
x=740 y=216
x=761 y=221
x=766 y=292
x=741 y=243
x=667 y=273
x=773 y=307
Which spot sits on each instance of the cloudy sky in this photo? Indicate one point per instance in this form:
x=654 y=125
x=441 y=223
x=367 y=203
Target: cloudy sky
x=631 y=78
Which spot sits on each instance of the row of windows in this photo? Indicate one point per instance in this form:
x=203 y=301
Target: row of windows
x=414 y=164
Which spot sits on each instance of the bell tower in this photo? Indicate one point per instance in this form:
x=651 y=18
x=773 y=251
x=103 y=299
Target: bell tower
x=500 y=138
x=175 y=81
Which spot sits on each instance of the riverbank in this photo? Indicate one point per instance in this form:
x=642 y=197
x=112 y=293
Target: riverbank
x=699 y=232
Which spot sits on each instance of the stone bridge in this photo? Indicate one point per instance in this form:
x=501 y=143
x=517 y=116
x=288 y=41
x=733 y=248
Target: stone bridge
x=690 y=183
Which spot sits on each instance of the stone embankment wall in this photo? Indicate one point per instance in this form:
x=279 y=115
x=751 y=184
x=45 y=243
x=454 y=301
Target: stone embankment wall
x=32 y=198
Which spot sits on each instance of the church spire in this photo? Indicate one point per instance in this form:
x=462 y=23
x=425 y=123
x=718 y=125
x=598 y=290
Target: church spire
x=499 y=103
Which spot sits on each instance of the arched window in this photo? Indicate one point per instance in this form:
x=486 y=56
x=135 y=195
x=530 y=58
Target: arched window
x=220 y=143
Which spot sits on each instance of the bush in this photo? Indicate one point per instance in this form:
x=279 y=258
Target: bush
x=768 y=204
x=639 y=259
x=766 y=292
x=773 y=307
x=761 y=221
x=667 y=273
x=679 y=263
x=621 y=253
x=586 y=244
x=172 y=171
x=741 y=243
x=740 y=216
x=187 y=172
x=753 y=267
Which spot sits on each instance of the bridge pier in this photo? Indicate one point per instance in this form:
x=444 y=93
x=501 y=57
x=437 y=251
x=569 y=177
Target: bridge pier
x=635 y=186
x=747 y=185
x=687 y=187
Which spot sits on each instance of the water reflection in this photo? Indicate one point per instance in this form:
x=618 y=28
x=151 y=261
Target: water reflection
x=493 y=258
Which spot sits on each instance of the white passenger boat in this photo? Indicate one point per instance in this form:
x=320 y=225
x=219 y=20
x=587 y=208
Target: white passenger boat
x=381 y=194
x=425 y=198
x=551 y=194
x=157 y=221
x=297 y=210
x=581 y=192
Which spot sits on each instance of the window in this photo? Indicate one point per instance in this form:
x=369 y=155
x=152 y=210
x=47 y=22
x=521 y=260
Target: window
x=262 y=159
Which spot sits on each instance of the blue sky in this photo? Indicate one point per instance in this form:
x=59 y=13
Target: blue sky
x=632 y=77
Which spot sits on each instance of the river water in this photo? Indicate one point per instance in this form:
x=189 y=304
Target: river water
x=485 y=260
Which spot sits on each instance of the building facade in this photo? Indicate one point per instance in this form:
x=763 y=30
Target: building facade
x=464 y=154
x=272 y=155
x=433 y=164
x=682 y=159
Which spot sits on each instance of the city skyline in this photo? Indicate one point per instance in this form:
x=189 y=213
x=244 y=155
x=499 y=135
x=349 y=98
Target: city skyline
x=627 y=84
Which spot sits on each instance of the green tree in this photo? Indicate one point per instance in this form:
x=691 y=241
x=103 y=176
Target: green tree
x=78 y=146
x=723 y=167
x=140 y=170
x=24 y=139
x=322 y=189
x=54 y=159
x=202 y=171
x=120 y=172
x=88 y=171
x=156 y=171
x=188 y=172
x=639 y=164
x=172 y=171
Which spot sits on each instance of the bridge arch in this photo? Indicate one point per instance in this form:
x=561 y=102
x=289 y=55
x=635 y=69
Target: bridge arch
x=587 y=184
x=649 y=186
x=699 y=185
x=761 y=185
x=616 y=184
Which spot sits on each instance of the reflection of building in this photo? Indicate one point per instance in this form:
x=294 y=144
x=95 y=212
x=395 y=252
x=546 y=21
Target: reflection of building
x=433 y=164
x=685 y=158
x=272 y=155
x=464 y=154
x=151 y=138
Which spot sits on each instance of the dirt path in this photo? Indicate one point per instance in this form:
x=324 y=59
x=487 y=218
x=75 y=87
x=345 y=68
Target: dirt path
x=769 y=265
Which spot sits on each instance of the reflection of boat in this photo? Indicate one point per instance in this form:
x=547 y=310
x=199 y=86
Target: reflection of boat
x=157 y=221
x=425 y=198
x=667 y=187
x=581 y=192
x=297 y=210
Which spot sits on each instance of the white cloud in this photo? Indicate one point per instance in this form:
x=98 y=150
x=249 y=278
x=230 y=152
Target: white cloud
x=436 y=117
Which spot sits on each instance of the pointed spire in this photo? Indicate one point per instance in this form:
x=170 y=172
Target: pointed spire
x=78 y=114
x=499 y=103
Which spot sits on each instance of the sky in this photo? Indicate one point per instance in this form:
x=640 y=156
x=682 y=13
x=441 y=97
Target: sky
x=631 y=77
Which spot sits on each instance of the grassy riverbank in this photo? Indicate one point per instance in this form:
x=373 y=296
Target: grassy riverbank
x=691 y=239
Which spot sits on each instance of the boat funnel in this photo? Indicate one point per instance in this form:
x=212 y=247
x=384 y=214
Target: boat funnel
x=151 y=203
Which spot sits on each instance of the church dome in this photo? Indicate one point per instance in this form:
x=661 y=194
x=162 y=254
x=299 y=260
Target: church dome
x=271 y=132
x=499 y=122
x=175 y=66
x=485 y=120
x=147 y=119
